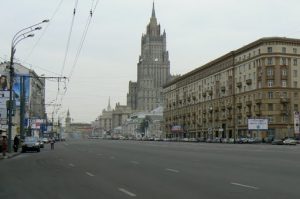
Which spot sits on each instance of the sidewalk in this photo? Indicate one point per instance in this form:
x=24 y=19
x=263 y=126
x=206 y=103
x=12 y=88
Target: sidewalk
x=10 y=155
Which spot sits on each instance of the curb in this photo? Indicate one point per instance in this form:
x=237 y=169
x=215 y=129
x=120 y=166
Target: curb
x=10 y=155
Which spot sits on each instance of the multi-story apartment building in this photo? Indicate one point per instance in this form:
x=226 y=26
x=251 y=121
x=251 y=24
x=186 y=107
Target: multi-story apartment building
x=259 y=80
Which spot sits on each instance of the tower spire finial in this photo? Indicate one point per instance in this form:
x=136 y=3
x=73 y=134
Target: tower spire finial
x=108 y=107
x=153 y=11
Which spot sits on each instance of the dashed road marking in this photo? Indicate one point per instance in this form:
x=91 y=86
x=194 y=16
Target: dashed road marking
x=243 y=185
x=127 y=192
x=89 y=174
x=172 y=170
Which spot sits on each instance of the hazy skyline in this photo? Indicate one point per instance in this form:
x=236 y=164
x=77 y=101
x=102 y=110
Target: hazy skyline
x=198 y=31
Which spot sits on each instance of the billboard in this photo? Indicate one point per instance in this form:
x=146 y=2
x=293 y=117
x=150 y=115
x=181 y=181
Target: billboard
x=296 y=122
x=17 y=88
x=3 y=83
x=176 y=128
x=257 y=124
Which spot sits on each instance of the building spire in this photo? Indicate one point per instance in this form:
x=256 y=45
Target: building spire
x=153 y=11
x=108 y=107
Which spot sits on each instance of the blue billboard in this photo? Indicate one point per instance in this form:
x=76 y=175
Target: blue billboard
x=17 y=88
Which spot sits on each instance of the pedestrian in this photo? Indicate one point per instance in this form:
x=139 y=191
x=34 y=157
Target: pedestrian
x=52 y=143
x=4 y=144
x=16 y=143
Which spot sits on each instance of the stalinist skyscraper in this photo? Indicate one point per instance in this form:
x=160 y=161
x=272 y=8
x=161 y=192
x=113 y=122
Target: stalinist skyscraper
x=153 y=69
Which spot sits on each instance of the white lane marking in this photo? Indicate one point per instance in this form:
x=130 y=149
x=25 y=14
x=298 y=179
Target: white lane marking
x=127 y=192
x=89 y=174
x=134 y=162
x=243 y=185
x=172 y=170
x=71 y=165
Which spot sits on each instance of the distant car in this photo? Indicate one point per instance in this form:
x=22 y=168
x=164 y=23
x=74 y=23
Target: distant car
x=45 y=140
x=277 y=142
x=31 y=144
x=209 y=140
x=193 y=140
x=290 y=141
x=41 y=143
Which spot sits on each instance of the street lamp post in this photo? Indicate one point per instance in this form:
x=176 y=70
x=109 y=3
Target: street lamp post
x=19 y=36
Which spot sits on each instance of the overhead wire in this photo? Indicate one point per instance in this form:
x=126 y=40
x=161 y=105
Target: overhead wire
x=92 y=11
x=69 y=37
x=67 y=49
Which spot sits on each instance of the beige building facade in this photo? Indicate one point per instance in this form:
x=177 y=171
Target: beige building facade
x=259 y=80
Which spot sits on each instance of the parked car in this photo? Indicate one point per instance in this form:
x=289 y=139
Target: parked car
x=290 y=141
x=209 y=140
x=31 y=144
x=45 y=140
x=277 y=142
x=193 y=140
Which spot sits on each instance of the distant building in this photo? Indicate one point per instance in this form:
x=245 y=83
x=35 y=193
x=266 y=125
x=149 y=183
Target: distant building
x=34 y=98
x=257 y=81
x=119 y=115
x=84 y=129
x=105 y=119
x=153 y=69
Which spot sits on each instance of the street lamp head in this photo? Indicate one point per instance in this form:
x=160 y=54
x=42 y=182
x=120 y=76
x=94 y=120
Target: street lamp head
x=38 y=28
x=45 y=21
x=31 y=35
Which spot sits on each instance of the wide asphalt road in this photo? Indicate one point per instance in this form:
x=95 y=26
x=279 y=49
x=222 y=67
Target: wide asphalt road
x=151 y=170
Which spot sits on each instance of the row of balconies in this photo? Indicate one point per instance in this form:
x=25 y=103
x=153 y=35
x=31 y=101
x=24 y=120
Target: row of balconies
x=248 y=103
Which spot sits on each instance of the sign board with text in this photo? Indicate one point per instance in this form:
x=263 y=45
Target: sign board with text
x=257 y=124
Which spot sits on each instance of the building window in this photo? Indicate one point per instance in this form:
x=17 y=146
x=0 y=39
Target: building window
x=295 y=84
x=270 y=61
x=295 y=94
x=283 y=61
x=259 y=84
x=284 y=118
x=295 y=107
x=270 y=107
x=283 y=50
x=270 y=83
x=284 y=72
x=270 y=95
x=295 y=62
x=295 y=73
x=295 y=50
x=269 y=49
x=283 y=83
x=270 y=119
x=270 y=71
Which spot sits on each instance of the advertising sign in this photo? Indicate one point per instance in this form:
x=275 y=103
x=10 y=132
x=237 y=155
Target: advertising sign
x=296 y=122
x=3 y=83
x=257 y=124
x=176 y=128
x=17 y=88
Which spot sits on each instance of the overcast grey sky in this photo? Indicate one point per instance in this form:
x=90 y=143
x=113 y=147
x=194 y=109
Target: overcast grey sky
x=198 y=31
